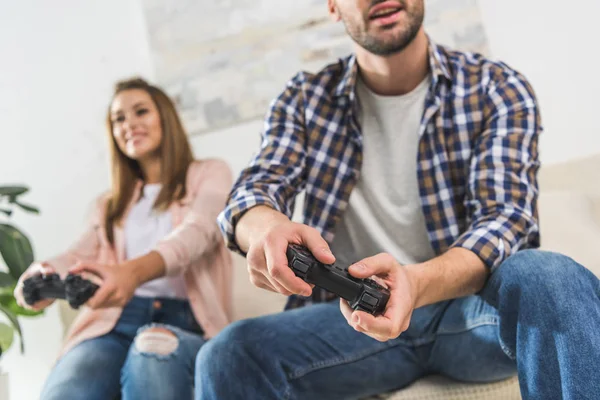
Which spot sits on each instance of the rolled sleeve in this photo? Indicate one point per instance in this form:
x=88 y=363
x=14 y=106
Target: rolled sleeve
x=502 y=189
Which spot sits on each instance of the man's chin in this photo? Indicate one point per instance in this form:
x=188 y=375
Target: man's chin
x=388 y=42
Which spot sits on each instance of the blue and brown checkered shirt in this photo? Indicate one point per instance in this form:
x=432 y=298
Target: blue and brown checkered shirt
x=477 y=160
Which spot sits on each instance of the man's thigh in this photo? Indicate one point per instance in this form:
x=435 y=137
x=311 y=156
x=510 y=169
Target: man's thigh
x=324 y=357
x=467 y=346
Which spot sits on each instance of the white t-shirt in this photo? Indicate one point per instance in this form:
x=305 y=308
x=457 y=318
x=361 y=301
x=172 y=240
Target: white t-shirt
x=384 y=213
x=144 y=228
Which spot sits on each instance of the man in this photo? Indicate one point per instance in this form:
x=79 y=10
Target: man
x=419 y=166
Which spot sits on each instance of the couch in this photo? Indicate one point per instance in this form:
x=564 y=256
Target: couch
x=569 y=207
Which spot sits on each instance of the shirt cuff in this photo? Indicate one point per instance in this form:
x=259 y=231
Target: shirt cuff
x=487 y=243
x=229 y=217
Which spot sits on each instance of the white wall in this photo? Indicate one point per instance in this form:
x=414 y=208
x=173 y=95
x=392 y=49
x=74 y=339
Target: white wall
x=59 y=62
x=236 y=145
x=555 y=45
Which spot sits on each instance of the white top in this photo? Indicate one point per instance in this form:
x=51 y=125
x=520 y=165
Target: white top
x=144 y=228
x=384 y=213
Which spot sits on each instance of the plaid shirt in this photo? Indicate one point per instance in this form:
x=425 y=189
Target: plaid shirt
x=477 y=158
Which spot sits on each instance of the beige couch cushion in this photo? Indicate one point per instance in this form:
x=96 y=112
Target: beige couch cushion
x=569 y=225
x=569 y=207
x=437 y=387
x=250 y=301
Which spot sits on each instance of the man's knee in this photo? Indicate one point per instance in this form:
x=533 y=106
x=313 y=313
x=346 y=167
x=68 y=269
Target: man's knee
x=235 y=343
x=539 y=273
x=156 y=340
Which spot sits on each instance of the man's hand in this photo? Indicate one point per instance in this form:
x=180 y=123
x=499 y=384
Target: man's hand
x=36 y=268
x=267 y=260
x=117 y=283
x=402 y=302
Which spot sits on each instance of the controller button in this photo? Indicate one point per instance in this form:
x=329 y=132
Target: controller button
x=157 y=305
x=370 y=300
x=300 y=266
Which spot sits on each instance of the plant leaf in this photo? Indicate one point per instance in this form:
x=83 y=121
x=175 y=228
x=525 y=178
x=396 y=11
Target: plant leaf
x=13 y=191
x=8 y=301
x=7 y=334
x=15 y=323
x=27 y=207
x=16 y=250
x=6 y=280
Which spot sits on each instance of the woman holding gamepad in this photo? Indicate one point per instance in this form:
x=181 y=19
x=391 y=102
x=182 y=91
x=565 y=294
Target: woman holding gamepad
x=155 y=248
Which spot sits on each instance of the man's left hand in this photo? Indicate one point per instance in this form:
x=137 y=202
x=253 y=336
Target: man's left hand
x=403 y=294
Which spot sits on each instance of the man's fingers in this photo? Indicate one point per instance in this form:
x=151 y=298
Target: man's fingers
x=259 y=274
x=319 y=248
x=371 y=335
x=388 y=326
x=280 y=289
x=379 y=328
x=381 y=264
x=263 y=282
x=279 y=271
x=346 y=311
x=354 y=317
x=383 y=327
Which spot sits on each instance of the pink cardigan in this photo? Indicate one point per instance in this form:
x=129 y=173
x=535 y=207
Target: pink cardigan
x=194 y=248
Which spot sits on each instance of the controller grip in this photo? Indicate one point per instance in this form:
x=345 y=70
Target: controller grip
x=361 y=294
x=40 y=287
x=326 y=278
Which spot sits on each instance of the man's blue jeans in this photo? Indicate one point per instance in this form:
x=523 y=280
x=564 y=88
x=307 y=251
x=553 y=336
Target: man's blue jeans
x=111 y=366
x=538 y=316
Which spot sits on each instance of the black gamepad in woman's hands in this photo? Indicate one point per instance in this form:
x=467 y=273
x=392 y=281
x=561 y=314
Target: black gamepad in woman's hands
x=73 y=288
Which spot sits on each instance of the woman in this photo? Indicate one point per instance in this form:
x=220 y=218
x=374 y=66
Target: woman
x=165 y=275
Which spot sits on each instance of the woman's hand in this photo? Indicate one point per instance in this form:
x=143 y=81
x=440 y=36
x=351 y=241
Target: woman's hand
x=117 y=283
x=35 y=268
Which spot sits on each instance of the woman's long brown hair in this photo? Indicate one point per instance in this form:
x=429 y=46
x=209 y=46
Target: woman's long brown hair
x=175 y=152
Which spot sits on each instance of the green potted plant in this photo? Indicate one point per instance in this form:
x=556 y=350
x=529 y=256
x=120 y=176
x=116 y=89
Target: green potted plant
x=17 y=253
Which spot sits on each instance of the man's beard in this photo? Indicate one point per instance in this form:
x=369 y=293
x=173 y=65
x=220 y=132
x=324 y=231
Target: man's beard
x=385 y=47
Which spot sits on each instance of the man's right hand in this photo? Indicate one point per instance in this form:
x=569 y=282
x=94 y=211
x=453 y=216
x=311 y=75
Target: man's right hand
x=265 y=234
x=34 y=269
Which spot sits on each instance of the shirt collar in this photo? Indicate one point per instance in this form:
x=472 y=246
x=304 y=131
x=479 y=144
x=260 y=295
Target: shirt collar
x=438 y=63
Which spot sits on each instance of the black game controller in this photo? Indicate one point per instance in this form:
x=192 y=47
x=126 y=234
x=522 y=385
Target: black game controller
x=362 y=294
x=73 y=288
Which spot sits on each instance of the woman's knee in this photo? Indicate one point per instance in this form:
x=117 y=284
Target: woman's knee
x=152 y=343
x=152 y=364
x=156 y=341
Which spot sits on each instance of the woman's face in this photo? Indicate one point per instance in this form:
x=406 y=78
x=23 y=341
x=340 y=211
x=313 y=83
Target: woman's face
x=136 y=124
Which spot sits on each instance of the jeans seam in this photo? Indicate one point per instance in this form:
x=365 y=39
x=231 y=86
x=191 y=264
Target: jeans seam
x=287 y=393
x=332 y=362
x=477 y=324
x=488 y=321
x=506 y=350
